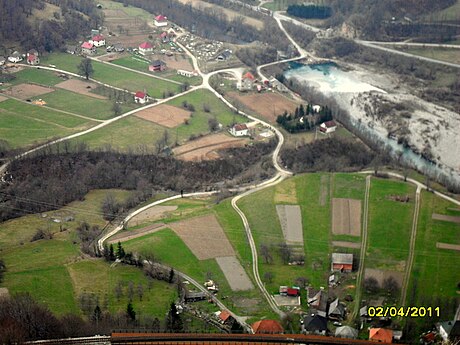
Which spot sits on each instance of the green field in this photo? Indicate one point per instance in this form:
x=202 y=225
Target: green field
x=100 y=109
x=390 y=224
x=443 y=54
x=39 y=76
x=114 y=76
x=133 y=132
x=451 y=13
x=433 y=270
x=24 y=124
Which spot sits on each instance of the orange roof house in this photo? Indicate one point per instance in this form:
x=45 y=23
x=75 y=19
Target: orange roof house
x=381 y=335
x=267 y=327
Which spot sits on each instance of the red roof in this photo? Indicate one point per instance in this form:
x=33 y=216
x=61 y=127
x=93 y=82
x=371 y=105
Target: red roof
x=31 y=57
x=224 y=315
x=330 y=124
x=87 y=45
x=267 y=327
x=293 y=292
x=98 y=38
x=240 y=127
x=163 y=34
x=146 y=45
x=140 y=94
x=161 y=18
x=248 y=75
x=381 y=335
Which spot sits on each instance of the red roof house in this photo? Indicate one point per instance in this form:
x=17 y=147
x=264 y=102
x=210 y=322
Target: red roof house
x=328 y=127
x=267 y=327
x=98 y=41
x=249 y=75
x=33 y=59
x=160 y=20
x=381 y=335
x=88 y=48
x=293 y=292
x=140 y=97
x=239 y=130
x=145 y=48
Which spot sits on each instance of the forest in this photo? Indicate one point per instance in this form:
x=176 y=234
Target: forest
x=304 y=119
x=50 y=180
x=309 y=11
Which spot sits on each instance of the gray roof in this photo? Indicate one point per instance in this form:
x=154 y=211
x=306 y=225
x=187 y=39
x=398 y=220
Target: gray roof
x=158 y=63
x=346 y=332
x=342 y=258
x=315 y=323
x=317 y=299
x=363 y=311
x=336 y=308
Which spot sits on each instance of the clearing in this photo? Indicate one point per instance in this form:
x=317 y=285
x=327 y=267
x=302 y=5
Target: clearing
x=269 y=104
x=346 y=217
x=204 y=236
x=27 y=91
x=234 y=273
x=81 y=87
x=165 y=115
x=205 y=147
x=291 y=223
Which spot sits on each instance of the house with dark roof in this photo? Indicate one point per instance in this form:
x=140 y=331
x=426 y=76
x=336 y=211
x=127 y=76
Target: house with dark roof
x=72 y=49
x=194 y=296
x=145 y=48
x=32 y=52
x=328 y=127
x=157 y=66
x=341 y=262
x=314 y=324
x=336 y=310
x=317 y=300
x=381 y=335
x=267 y=327
x=449 y=330
x=239 y=130
x=224 y=55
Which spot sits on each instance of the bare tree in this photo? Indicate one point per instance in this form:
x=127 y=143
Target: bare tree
x=302 y=282
x=285 y=252
x=118 y=290
x=130 y=290
x=268 y=276
x=140 y=291
x=85 y=68
x=390 y=285
x=371 y=285
x=265 y=252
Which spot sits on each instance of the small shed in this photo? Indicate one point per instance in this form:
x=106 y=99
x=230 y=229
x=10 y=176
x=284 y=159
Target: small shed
x=342 y=262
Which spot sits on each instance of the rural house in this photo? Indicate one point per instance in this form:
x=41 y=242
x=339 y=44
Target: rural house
x=2 y=60
x=98 y=41
x=328 y=127
x=226 y=318
x=32 y=52
x=160 y=20
x=32 y=59
x=381 y=335
x=140 y=97
x=314 y=324
x=247 y=82
x=194 y=296
x=239 y=130
x=88 y=48
x=342 y=262
x=336 y=310
x=71 y=49
x=15 y=57
x=119 y=48
x=187 y=74
x=224 y=56
x=317 y=300
x=346 y=332
x=267 y=327
x=157 y=66
x=145 y=48
x=449 y=330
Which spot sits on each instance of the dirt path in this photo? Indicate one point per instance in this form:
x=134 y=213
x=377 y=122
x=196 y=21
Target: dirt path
x=447 y=246
x=362 y=254
x=410 y=260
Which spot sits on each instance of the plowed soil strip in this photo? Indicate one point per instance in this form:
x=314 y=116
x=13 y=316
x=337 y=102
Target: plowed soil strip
x=165 y=115
x=81 y=87
x=346 y=217
x=345 y=244
x=235 y=273
x=126 y=236
x=291 y=222
x=448 y=246
x=26 y=91
x=443 y=217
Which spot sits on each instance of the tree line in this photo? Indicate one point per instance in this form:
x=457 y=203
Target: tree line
x=309 y=11
x=303 y=119
x=57 y=176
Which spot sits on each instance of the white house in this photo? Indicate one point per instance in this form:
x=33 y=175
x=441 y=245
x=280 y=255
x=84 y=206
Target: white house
x=2 y=60
x=187 y=74
x=239 y=130
x=160 y=20
x=15 y=57
x=328 y=127
x=140 y=97
x=316 y=108
x=98 y=41
x=145 y=48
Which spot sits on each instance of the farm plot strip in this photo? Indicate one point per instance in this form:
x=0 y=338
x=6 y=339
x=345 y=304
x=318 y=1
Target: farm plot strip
x=235 y=274
x=291 y=223
x=446 y=218
x=346 y=217
x=449 y=246
x=346 y=244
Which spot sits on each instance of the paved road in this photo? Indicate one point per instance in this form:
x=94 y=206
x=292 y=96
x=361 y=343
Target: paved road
x=413 y=236
x=362 y=253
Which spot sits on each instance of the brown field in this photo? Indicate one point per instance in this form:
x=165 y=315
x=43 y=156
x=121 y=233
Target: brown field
x=258 y=24
x=138 y=32
x=205 y=148
x=81 y=87
x=346 y=217
x=381 y=275
x=345 y=244
x=234 y=273
x=3 y=98
x=129 y=235
x=165 y=115
x=27 y=91
x=204 y=236
x=269 y=104
x=448 y=246
x=151 y=214
x=286 y=192
x=452 y=219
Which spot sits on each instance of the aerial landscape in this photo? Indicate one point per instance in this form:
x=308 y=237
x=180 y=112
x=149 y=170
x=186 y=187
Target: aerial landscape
x=229 y=171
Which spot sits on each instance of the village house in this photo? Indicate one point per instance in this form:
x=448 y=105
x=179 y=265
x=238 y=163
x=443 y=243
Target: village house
x=289 y=291
x=194 y=296
x=449 y=330
x=140 y=97
x=247 y=82
x=88 y=48
x=328 y=127
x=381 y=335
x=98 y=41
x=160 y=20
x=317 y=300
x=226 y=318
x=277 y=85
x=145 y=48
x=314 y=324
x=157 y=66
x=32 y=59
x=346 y=332
x=239 y=130
x=267 y=327
x=2 y=60
x=15 y=57
x=341 y=262
x=187 y=74
x=336 y=310
x=118 y=47
x=32 y=52
x=224 y=56
x=71 y=49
